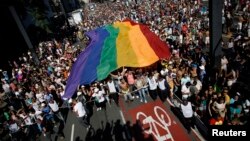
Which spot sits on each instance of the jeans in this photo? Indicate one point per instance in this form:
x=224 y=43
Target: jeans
x=58 y=114
x=142 y=94
x=84 y=121
x=128 y=96
x=146 y=90
x=153 y=94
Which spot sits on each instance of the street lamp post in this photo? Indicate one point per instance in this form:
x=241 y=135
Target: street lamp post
x=215 y=30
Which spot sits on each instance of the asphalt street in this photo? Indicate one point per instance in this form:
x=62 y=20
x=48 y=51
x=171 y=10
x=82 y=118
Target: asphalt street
x=130 y=121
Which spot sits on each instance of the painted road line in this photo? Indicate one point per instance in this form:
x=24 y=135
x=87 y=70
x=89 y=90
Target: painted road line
x=126 y=129
x=170 y=102
x=198 y=135
x=122 y=116
x=72 y=132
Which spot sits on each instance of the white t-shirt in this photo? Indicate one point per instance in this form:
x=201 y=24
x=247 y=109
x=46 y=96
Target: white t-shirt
x=99 y=96
x=79 y=109
x=161 y=84
x=187 y=110
x=6 y=88
x=185 y=90
x=224 y=63
x=152 y=83
x=111 y=87
x=139 y=83
x=230 y=44
x=198 y=85
x=40 y=97
x=13 y=127
x=35 y=106
x=54 y=106
x=184 y=80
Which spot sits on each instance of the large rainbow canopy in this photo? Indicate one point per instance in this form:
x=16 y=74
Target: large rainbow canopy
x=113 y=46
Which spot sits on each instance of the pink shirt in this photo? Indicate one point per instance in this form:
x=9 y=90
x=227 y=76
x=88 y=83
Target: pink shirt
x=131 y=79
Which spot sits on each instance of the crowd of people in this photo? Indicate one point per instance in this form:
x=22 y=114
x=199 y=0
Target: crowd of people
x=185 y=27
x=31 y=96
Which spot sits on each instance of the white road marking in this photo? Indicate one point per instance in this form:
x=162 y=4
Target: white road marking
x=170 y=102
x=198 y=135
x=122 y=116
x=72 y=132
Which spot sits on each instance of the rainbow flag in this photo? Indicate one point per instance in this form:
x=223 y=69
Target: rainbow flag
x=113 y=46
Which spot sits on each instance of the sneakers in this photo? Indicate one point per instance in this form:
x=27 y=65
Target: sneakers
x=145 y=101
x=141 y=100
x=98 y=109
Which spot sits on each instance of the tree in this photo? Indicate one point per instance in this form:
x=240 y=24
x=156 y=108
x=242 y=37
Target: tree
x=39 y=19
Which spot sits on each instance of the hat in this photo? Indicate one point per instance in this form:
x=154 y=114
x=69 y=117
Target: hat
x=70 y=100
x=42 y=104
x=96 y=90
x=238 y=93
x=202 y=67
x=194 y=66
x=82 y=86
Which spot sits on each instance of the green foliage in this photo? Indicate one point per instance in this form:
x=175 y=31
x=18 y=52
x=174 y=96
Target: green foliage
x=39 y=19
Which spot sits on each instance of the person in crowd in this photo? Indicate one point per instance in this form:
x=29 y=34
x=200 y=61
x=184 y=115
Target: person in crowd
x=139 y=84
x=188 y=113
x=81 y=113
x=220 y=107
x=185 y=79
x=236 y=113
x=126 y=91
x=202 y=73
x=130 y=80
x=55 y=109
x=185 y=89
x=152 y=81
x=183 y=25
x=99 y=98
x=212 y=100
x=164 y=88
x=216 y=120
x=224 y=64
x=113 y=91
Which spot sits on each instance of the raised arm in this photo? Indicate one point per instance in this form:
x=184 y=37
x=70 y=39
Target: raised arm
x=123 y=71
x=113 y=75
